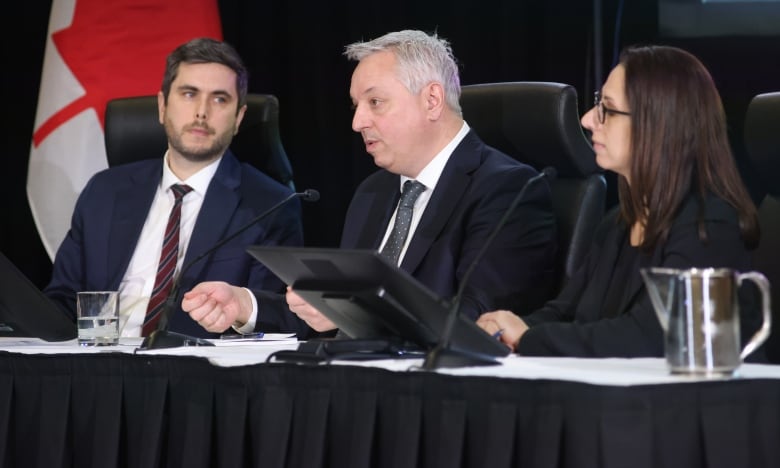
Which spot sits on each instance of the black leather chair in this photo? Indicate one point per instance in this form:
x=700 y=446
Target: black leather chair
x=762 y=142
x=538 y=124
x=133 y=132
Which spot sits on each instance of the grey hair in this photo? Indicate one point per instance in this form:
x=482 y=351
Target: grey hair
x=422 y=59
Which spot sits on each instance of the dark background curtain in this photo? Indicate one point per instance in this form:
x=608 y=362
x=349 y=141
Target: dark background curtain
x=294 y=50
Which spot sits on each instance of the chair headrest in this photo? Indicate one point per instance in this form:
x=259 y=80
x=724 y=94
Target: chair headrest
x=133 y=132
x=535 y=122
x=762 y=138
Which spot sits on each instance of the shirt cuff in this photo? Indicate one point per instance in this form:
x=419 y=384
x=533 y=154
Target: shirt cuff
x=249 y=326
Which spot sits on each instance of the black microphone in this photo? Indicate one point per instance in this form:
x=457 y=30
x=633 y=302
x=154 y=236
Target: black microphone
x=161 y=337
x=442 y=355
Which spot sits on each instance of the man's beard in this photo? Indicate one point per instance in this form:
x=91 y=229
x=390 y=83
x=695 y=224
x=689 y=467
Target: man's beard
x=212 y=152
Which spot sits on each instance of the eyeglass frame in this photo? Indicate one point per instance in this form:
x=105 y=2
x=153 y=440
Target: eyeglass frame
x=602 y=110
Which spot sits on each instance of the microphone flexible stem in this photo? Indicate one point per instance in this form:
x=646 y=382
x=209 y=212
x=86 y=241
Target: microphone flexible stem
x=308 y=195
x=449 y=325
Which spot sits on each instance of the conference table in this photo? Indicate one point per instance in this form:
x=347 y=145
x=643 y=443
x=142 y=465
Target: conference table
x=235 y=405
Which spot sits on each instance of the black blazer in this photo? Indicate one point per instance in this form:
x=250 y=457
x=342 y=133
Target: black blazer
x=474 y=191
x=576 y=322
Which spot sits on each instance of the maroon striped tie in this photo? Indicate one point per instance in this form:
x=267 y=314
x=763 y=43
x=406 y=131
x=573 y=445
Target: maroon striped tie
x=167 y=266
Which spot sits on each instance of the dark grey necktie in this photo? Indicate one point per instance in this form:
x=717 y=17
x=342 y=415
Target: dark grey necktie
x=403 y=219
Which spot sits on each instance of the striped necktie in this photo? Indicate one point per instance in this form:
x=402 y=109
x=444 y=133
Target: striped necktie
x=168 y=259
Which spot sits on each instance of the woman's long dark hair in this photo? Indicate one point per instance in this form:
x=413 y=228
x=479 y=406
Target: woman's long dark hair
x=679 y=144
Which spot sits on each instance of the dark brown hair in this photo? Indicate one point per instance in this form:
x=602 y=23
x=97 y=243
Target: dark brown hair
x=679 y=144
x=206 y=50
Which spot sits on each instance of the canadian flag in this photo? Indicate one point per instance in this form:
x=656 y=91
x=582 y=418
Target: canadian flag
x=97 y=50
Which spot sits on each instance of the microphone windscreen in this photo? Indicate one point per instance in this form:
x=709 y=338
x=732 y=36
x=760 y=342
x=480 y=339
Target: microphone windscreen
x=310 y=195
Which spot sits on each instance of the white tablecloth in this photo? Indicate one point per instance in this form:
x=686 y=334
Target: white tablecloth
x=613 y=371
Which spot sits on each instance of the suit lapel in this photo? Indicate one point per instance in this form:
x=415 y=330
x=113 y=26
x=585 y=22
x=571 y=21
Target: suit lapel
x=375 y=208
x=130 y=209
x=635 y=284
x=450 y=189
x=688 y=213
x=219 y=205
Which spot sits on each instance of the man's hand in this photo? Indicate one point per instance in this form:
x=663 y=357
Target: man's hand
x=216 y=305
x=307 y=313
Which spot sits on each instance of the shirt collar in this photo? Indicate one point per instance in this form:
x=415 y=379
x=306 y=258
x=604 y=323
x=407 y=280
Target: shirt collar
x=199 y=181
x=430 y=174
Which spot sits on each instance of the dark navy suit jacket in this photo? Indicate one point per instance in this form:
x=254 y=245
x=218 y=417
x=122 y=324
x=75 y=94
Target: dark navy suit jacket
x=474 y=191
x=110 y=214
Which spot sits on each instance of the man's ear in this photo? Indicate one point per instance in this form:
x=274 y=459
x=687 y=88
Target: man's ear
x=161 y=107
x=433 y=93
x=239 y=118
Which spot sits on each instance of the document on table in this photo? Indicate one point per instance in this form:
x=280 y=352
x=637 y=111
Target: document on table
x=234 y=340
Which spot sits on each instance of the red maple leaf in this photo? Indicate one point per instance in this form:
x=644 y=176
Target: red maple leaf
x=118 y=48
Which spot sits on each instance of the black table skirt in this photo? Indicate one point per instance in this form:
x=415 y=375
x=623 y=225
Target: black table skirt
x=105 y=410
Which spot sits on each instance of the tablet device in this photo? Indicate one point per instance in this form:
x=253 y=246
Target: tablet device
x=26 y=311
x=369 y=298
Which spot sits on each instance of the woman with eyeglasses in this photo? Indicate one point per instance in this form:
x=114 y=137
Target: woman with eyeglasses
x=659 y=124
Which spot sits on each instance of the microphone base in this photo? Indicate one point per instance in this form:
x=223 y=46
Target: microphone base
x=323 y=350
x=160 y=339
x=440 y=357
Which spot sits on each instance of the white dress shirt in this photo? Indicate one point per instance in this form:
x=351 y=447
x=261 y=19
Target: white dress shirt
x=429 y=177
x=138 y=281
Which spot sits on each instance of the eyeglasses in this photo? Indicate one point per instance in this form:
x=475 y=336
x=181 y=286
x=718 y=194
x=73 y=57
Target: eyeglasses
x=602 y=110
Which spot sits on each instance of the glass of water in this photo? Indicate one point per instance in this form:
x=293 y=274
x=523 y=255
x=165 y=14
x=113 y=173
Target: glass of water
x=97 y=315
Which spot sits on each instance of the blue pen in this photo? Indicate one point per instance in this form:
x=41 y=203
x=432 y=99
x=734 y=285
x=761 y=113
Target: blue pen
x=498 y=334
x=247 y=336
